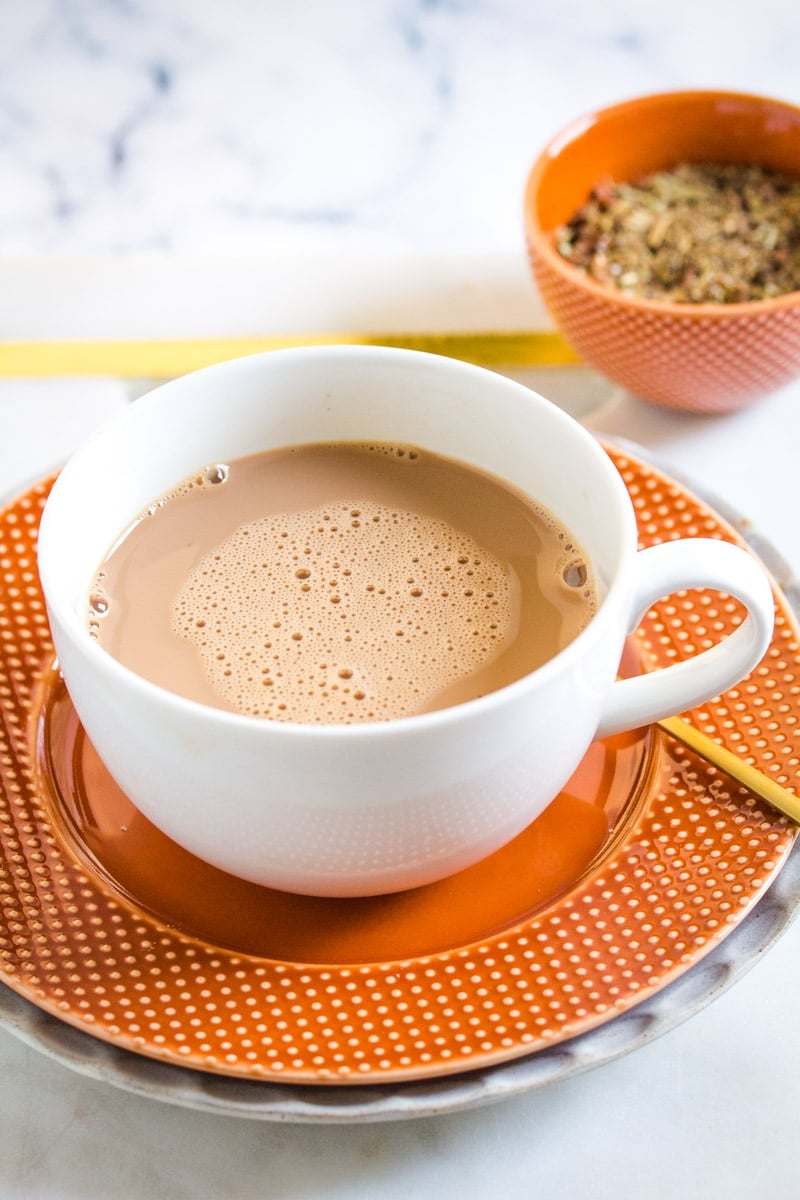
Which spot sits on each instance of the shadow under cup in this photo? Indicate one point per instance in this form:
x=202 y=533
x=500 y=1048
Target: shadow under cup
x=339 y=810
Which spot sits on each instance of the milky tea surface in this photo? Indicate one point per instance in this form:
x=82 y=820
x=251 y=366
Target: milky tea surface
x=340 y=583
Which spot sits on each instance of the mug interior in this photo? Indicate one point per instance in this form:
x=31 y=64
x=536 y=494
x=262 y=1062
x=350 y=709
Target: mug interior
x=326 y=394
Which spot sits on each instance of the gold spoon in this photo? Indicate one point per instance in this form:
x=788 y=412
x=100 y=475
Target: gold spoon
x=733 y=766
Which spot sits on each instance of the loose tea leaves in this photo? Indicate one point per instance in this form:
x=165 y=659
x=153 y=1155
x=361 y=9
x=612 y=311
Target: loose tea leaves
x=694 y=234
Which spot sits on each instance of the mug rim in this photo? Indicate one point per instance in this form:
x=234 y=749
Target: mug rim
x=62 y=609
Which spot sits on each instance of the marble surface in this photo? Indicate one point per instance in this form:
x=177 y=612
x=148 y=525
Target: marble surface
x=129 y=126
x=190 y=168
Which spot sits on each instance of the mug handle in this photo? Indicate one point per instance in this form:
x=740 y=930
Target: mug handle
x=671 y=567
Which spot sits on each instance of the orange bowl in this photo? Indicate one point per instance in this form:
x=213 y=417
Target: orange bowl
x=702 y=357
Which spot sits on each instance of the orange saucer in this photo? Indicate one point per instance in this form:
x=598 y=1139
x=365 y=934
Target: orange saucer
x=640 y=868
x=144 y=867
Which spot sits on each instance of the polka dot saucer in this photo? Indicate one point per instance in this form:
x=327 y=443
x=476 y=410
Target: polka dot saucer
x=638 y=870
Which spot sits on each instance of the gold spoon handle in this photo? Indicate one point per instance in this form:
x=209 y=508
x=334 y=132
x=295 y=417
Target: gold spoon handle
x=733 y=766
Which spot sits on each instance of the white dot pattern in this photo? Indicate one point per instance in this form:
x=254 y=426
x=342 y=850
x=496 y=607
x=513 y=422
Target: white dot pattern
x=696 y=853
x=712 y=363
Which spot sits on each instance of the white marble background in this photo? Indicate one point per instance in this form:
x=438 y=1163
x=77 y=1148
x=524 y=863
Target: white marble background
x=178 y=167
x=189 y=126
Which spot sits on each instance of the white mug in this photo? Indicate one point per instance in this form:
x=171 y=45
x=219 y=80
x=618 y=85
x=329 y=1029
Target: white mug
x=377 y=807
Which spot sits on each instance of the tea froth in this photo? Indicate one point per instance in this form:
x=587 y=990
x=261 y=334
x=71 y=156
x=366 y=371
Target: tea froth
x=337 y=612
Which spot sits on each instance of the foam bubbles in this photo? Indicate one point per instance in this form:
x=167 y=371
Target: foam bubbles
x=343 y=613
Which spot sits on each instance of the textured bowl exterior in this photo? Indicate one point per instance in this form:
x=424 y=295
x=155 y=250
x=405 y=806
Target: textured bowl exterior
x=706 y=357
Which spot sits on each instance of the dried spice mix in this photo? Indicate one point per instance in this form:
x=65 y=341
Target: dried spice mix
x=697 y=233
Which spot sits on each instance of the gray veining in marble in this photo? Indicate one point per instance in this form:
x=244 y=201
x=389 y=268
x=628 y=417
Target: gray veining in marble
x=134 y=125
